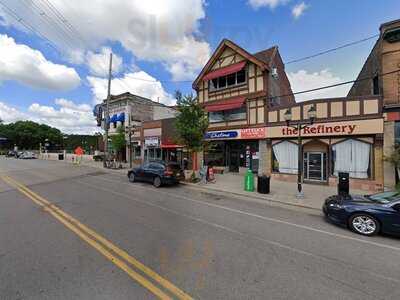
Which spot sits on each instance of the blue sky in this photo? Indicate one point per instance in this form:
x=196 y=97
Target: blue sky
x=166 y=41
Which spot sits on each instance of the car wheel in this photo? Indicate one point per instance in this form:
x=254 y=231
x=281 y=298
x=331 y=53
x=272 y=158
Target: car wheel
x=132 y=177
x=364 y=224
x=157 y=181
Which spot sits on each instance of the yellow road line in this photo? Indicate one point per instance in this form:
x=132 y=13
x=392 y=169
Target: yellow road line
x=75 y=224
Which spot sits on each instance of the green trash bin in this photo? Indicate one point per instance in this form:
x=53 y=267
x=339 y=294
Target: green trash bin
x=249 y=181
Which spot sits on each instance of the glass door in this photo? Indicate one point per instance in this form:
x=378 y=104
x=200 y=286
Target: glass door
x=314 y=166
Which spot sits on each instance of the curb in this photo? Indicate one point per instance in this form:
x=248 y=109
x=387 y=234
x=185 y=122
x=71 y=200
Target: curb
x=254 y=198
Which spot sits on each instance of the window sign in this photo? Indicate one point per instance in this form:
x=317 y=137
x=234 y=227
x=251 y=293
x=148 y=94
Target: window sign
x=152 y=141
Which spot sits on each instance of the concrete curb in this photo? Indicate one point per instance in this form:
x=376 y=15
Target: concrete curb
x=253 y=197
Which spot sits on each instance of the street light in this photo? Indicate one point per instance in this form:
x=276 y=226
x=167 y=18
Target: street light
x=311 y=114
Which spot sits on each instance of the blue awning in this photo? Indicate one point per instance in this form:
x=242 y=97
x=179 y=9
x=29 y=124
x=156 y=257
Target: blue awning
x=121 y=117
x=114 y=118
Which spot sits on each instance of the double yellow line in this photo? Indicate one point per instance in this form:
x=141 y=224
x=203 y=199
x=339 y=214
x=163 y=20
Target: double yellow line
x=156 y=284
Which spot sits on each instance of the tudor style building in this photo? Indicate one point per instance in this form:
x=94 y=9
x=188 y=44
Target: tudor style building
x=236 y=87
x=247 y=95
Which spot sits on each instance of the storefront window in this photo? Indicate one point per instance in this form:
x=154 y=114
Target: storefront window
x=397 y=133
x=285 y=157
x=136 y=152
x=353 y=157
x=215 y=154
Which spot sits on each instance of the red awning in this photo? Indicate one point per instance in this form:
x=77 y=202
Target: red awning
x=224 y=71
x=170 y=146
x=226 y=105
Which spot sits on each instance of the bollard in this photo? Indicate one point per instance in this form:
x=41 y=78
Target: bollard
x=249 y=181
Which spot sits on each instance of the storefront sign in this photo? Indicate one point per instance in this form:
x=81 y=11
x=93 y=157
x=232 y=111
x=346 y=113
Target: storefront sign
x=253 y=133
x=372 y=126
x=152 y=141
x=221 y=135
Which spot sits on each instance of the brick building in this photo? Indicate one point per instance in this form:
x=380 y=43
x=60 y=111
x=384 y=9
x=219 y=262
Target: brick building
x=384 y=59
x=242 y=93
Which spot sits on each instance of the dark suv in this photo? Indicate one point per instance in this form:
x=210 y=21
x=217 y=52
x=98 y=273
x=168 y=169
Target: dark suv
x=157 y=172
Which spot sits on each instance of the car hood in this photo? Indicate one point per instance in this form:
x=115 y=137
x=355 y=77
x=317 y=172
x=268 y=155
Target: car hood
x=360 y=200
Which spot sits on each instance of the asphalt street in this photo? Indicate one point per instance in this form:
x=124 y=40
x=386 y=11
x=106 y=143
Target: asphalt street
x=75 y=232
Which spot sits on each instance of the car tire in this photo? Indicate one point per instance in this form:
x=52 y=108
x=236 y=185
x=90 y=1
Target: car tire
x=157 y=181
x=132 y=177
x=364 y=224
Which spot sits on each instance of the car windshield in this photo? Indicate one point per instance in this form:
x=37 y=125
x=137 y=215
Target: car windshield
x=385 y=197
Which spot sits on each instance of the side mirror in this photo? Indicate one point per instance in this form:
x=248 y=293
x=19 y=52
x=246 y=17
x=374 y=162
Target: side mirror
x=396 y=207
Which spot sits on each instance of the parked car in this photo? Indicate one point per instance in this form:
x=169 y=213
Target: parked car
x=157 y=172
x=27 y=155
x=11 y=153
x=366 y=215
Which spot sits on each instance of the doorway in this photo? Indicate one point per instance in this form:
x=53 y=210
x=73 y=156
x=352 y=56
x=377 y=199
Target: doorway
x=315 y=166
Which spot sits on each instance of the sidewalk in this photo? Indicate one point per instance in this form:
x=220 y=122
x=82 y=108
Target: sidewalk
x=281 y=192
x=231 y=183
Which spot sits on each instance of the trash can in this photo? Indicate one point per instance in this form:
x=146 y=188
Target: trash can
x=343 y=184
x=249 y=181
x=60 y=156
x=263 y=184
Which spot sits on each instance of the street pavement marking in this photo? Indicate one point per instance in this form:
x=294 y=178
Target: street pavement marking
x=245 y=235
x=397 y=249
x=98 y=242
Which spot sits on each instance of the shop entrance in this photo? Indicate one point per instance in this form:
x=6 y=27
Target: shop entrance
x=315 y=166
x=234 y=161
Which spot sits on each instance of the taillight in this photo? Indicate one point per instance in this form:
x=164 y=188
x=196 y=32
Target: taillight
x=168 y=172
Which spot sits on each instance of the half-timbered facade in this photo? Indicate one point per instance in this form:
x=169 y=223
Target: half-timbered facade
x=236 y=88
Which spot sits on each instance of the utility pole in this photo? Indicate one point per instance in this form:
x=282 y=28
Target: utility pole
x=107 y=115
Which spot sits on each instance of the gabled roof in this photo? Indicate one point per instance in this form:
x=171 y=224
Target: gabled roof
x=259 y=61
x=266 y=55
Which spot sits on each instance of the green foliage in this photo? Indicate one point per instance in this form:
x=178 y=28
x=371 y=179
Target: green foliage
x=191 y=122
x=118 y=140
x=28 y=134
x=87 y=142
x=394 y=157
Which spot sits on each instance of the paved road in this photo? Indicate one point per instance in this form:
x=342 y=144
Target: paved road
x=71 y=232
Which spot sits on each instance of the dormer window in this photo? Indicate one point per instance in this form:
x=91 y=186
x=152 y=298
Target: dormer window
x=231 y=80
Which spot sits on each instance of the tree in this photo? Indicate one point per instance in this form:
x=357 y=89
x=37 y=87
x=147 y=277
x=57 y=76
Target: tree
x=394 y=159
x=28 y=134
x=191 y=122
x=118 y=141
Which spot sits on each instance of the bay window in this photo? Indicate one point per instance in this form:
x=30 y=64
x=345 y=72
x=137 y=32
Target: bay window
x=353 y=157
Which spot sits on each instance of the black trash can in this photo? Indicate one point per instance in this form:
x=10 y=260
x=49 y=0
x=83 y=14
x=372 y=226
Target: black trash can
x=263 y=184
x=60 y=156
x=343 y=184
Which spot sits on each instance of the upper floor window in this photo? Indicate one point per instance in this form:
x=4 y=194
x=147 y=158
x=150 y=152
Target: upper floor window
x=228 y=80
x=227 y=115
x=375 y=85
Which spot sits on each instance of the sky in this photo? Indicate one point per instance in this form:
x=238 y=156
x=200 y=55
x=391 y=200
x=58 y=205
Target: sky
x=54 y=53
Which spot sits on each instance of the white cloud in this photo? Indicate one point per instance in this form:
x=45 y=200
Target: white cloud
x=139 y=83
x=302 y=80
x=69 y=117
x=299 y=9
x=165 y=31
x=29 y=67
x=98 y=63
x=256 y=4
x=10 y=114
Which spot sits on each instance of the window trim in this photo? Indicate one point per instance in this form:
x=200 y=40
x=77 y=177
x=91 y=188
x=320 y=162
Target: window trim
x=231 y=86
x=225 y=120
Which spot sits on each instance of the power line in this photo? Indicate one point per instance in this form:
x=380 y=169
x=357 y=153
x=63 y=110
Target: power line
x=334 y=85
x=20 y=20
x=331 y=50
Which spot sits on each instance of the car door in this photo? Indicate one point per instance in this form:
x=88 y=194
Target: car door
x=154 y=169
x=394 y=218
x=141 y=172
